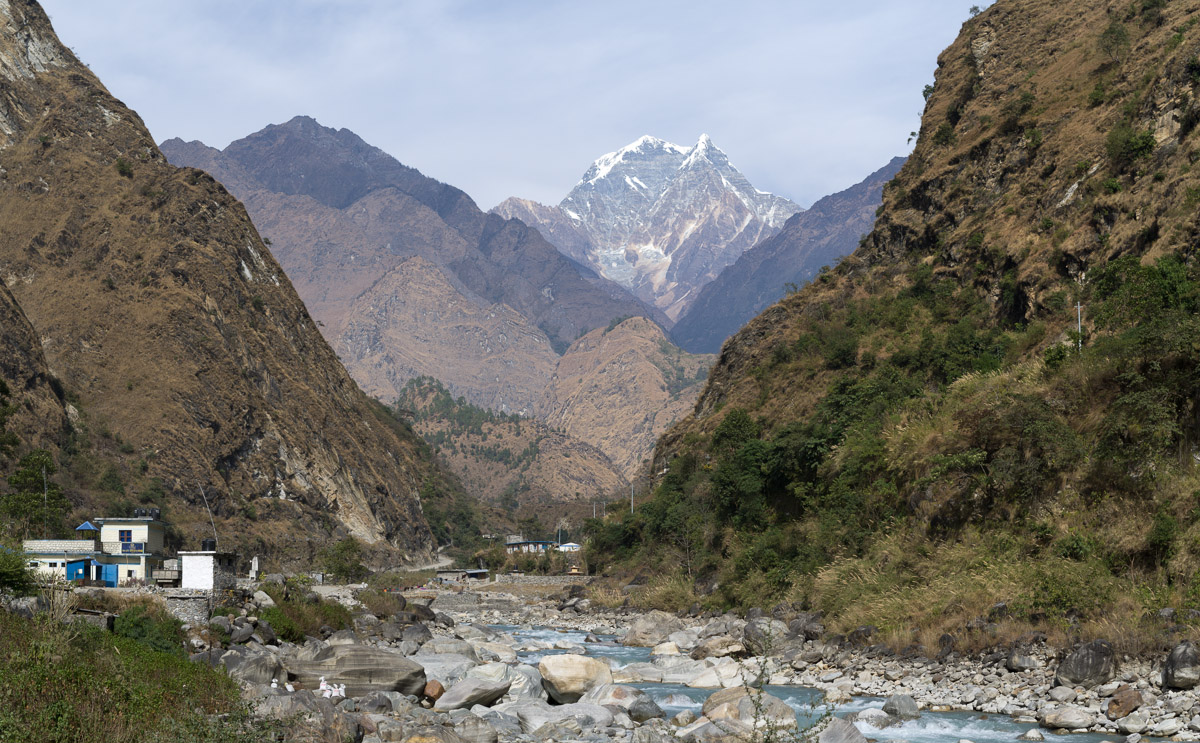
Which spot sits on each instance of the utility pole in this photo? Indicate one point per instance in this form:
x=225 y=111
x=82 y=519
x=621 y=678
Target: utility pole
x=631 y=497
x=210 y=516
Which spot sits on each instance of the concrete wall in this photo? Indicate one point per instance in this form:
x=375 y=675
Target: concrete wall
x=59 y=545
x=198 y=572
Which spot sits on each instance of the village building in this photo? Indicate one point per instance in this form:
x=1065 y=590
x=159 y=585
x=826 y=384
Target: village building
x=207 y=569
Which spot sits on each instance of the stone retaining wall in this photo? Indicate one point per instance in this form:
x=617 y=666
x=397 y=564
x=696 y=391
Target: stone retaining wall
x=188 y=606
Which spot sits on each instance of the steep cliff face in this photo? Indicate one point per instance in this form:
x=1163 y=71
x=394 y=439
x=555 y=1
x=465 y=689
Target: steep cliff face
x=619 y=388
x=157 y=305
x=660 y=219
x=812 y=239
x=922 y=431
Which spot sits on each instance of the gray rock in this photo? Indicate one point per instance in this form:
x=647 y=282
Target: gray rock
x=1031 y=734
x=749 y=706
x=222 y=623
x=1067 y=718
x=362 y=668
x=718 y=647
x=375 y=703
x=417 y=633
x=1063 y=694
x=638 y=704
x=1089 y=665
x=838 y=730
x=902 y=706
x=263 y=599
x=258 y=668
x=474 y=729
x=650 y=629
x=449 y=646
x=1021 y=660
x=433 y=734
x=449 y=668
x=1182 y=668
x=471 y=691
x=1132 y=724
x=568 y=677
x=765 y=636
x=241 y=633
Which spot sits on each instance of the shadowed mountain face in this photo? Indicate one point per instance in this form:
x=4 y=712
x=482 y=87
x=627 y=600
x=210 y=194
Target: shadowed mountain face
x=341 y=214
x=660 y=219
x=151 y=297
x=811 y=239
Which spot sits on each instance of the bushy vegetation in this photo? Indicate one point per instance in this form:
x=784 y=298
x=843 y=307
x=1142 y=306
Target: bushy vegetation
x=298 y=614
x=958 y=430
x=64 y=684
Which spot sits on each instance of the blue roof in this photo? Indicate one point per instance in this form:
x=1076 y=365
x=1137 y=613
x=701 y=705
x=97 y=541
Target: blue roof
x=87 y=526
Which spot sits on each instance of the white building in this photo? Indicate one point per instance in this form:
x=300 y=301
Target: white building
x=207 y=570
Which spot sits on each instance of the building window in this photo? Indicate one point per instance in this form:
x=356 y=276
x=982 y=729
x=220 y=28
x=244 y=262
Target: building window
x=33 y=563
x=53 y=564
x=125 y=535
x=128 y=573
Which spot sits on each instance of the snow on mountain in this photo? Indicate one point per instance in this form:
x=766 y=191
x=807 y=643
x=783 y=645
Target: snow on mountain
x=658 y=218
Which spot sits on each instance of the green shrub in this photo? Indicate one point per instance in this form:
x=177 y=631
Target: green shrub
x=124 y=168
x=157 y=630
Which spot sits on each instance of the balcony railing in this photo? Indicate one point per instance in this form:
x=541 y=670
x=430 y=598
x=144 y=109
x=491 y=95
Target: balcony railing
x=125 y=548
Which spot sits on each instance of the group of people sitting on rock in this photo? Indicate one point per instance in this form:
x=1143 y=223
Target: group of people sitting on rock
x=329 y=691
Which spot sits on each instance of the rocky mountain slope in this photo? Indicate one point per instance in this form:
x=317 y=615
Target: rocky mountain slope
x=921 y=433
x=618 y=388
x=809 y=240
x=342 y=215
x=170 y=326
x=520 y=465
x=660 y=219
x=413 y=320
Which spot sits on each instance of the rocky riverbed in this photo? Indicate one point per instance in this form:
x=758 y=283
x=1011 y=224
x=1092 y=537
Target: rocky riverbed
x=470 y=667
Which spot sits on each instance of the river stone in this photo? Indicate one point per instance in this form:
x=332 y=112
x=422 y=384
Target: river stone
x=665 y=648
x=474 y=729
x=471 y=691
x=417 y=633
x=1089 y=665
x=568 y=677
x=1020 y=659
x=749 y=706
x=650 y=629
x=449 y=668
x=241 y=633
x=433 y=734
x=902 y=706
x=533 y=713
x=503 y=653
x=720 y=646
x=839 y=731
x=1066 y=718
x=362 y=668
x=1182 y=669
x=638 y=704
x=1063 y=694
x=1167 y=728
x=637 y=673
x=1123 y=702
x=1132 y=723
x=449 y=646
x=1031 y=734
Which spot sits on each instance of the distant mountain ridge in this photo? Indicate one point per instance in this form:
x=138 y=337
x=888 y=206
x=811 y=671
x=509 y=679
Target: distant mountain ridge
x=660 y=219
x=820 y=236
x=343 y=216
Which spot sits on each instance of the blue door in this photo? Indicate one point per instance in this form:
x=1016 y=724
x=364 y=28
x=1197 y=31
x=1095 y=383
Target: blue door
x=108 y=574
x=77 y=570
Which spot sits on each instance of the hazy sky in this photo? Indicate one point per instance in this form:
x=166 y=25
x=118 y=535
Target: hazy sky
x=517 y=97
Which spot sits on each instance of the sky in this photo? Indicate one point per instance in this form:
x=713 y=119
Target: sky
x=517 y=97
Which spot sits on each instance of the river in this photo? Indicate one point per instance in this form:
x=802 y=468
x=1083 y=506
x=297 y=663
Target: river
x=932 y=727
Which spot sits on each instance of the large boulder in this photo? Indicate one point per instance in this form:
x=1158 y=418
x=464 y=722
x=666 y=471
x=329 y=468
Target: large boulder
x=902 y=706
x=1182 y=669
x=1089 y=665
x=748 y=706
x=569 y=677
x=534 y=713
x=474 y=729
x=1124 y=701
x=637 y=703
x=362 y=668
x=766 y=636
x=449 y=668
x=258 y=668
x=470 y=692
x=838 y=730
x=524 y=681
x=1067 y=718
x=650 y=629
x=1020 y=659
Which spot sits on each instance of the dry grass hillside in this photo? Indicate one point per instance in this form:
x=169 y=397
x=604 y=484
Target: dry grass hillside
x=915 y=436
x=187 y=353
